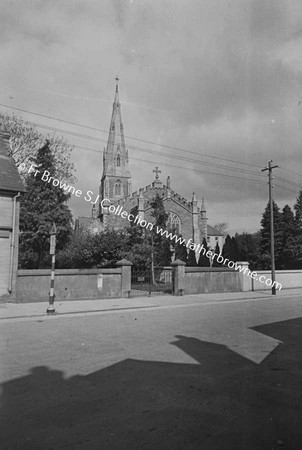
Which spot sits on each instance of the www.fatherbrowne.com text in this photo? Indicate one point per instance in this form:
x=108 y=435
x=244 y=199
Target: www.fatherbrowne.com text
x=137 y=220
x=198 y=248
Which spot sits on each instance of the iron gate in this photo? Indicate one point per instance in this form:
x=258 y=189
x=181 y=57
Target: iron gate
x=144 y=281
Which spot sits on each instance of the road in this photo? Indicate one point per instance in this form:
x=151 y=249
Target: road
x=186 y=376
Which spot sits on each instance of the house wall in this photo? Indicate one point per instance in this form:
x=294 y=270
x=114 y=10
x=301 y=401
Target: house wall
x=6 y=239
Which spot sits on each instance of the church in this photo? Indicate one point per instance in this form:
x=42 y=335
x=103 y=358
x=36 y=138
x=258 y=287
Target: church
x=184 y=217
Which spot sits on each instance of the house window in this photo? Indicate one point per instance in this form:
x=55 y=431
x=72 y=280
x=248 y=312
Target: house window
x=174 y=223
x=208 y=238
x=216 y=238
x=118 y=187
x=118 y=161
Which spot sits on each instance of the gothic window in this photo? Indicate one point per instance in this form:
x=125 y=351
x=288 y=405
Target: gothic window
x=118 y=161
x=118 y=187
x=174 y=223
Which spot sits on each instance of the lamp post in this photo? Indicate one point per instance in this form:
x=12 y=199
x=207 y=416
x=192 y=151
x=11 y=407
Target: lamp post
x=52 y=251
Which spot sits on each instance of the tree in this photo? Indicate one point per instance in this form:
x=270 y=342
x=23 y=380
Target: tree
x=192 y=259
x=230 y=249
x=181 y=252
x=298 y=213
x=221 y=227
x=203 y=260
x=248 y=248
x=79 y=253
x=288 y=251
x=217 y=251
x=138 y=249
x=161 y=245
x=26 y=140
x=265 y=237
x=41 y=205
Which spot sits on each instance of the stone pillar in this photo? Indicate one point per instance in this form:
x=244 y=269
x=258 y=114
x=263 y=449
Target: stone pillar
x=203 y=220
x=178 y=277
x=245 y=279
x=168 y=187
x=141 y=204
x=195 y=227
x=125 y=266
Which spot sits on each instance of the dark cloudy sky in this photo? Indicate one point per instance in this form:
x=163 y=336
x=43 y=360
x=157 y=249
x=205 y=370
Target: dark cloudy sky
x=218 y=78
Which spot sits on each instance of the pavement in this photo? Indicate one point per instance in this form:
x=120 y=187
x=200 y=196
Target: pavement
x=16 y=311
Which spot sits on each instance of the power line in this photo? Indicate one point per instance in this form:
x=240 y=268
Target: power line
x=129 y=137
x=224 y=167
x=179 y=167
x=290 y=171
x=293 y=183
x=220 y=166
x=190 y=169
x=286 y=188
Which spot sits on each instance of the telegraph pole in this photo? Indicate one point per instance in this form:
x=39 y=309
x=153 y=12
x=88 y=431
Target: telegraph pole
x=270 y=168
x=53 y=233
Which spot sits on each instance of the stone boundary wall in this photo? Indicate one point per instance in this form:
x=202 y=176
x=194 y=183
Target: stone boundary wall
x=288 y=278
x=202 y=280
x=70 y=284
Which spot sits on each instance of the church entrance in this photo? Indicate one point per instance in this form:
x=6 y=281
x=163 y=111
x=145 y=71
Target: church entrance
x=145 y=281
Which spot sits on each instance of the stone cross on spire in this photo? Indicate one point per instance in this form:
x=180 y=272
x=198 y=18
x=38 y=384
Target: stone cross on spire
x=156 y=171
x=116 y=85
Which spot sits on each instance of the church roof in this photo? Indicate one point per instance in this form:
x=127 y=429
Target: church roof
x=213 y=232
x=9 y=176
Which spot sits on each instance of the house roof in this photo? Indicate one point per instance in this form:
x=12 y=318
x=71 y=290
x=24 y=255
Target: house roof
x=9 y=176
x=213 y=232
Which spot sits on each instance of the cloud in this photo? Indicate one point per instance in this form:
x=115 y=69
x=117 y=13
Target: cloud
x=217 y=78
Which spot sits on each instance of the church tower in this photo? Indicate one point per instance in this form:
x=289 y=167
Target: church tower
x=116 y=178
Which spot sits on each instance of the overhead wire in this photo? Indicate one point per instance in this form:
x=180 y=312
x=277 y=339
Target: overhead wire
x=220 y=166
x=130 y=137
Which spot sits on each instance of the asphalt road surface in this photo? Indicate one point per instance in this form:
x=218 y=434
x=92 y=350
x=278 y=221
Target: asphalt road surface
x=220 y=376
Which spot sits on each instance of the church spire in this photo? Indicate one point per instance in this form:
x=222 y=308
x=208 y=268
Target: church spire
x=116 y=178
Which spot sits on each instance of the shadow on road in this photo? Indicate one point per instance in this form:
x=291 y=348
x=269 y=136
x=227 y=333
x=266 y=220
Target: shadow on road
x=224 y=402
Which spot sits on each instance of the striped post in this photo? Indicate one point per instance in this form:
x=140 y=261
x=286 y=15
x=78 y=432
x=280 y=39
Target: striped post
x=51 y=308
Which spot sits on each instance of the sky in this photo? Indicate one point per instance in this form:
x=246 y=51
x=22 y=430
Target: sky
x=219 y=81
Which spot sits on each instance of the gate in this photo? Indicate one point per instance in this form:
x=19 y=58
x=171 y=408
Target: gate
x=143 y=282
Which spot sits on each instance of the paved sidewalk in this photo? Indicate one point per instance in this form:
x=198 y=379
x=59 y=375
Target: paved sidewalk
x=70 y=307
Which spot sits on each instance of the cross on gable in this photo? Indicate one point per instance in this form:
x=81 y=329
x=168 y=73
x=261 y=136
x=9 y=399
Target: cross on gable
x=156 y=171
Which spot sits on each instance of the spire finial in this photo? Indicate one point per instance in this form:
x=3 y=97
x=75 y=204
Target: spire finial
x=116 y=84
